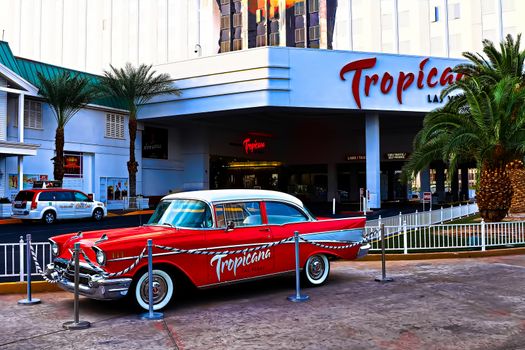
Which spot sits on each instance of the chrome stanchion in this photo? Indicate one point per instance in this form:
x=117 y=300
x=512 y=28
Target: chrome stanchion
x=297 y=297
x=383 y=277
x=76 y=324
x=150 y=315
x=28 y=300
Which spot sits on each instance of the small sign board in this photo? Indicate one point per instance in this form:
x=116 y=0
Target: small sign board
x=427 y=197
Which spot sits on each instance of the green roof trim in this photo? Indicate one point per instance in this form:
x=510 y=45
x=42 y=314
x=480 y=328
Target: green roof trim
x=28 y=70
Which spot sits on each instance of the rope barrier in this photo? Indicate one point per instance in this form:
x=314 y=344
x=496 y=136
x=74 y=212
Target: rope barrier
x=328 y=246
x=38 y=267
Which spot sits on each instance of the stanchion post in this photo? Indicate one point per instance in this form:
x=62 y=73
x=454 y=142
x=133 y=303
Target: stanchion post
x=76 y=323
x=383 y=277
x=28 y=300
x=21 y=257
x=297 y=297
x=151 y=315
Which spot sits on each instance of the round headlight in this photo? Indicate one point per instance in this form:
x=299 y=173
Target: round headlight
x=101 y=257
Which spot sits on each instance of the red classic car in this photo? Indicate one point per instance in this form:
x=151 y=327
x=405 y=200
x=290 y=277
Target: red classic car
x=211 y=238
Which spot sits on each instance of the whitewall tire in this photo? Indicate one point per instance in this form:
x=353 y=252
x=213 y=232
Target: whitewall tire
x=316 y=270
x=163 y=290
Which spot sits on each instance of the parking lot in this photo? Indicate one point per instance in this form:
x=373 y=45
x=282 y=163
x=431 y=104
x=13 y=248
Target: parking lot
x=438 y=304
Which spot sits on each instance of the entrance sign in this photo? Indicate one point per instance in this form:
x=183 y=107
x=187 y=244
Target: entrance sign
x=250 y=146
x=424 y=78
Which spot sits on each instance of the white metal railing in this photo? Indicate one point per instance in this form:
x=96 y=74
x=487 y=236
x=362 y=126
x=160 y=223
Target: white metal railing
x=426 y=217
x=12 y=258
x=410 y=238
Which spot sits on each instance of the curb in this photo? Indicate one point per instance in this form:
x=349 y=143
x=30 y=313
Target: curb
x=446 y=255
x=21 y=287
x=10 y=221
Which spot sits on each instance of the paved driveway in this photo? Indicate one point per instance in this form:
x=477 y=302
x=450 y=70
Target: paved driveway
x=445 y=304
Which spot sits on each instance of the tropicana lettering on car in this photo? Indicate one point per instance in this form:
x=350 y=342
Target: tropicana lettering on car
x=403 y=81
x=232 y=264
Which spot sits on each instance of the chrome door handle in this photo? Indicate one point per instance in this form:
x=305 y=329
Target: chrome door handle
x=265 y=229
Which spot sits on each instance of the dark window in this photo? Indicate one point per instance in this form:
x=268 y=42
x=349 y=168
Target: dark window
x=24 y=196
x=46 y=196
x=280 y=213
x=64 y=196
x=81 y=197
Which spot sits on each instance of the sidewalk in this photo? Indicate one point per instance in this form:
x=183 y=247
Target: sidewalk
x=445 y=304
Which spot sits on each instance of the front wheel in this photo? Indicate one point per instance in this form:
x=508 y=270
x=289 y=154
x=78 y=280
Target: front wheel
x=163 y=290
x=316 y=270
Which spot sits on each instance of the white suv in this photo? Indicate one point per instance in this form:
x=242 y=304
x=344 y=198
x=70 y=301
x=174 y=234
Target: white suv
x=50 y=205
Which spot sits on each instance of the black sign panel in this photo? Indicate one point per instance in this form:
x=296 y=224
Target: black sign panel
x=155 y=143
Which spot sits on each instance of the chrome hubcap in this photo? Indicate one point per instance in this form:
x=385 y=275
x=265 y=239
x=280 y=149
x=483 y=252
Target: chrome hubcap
x=98 y=215
x=316 y=268
x=160 y=288
x=49 y=218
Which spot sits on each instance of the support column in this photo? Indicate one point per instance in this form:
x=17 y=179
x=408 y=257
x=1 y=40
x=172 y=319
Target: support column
x=21 y=118
x=373 y=170
x=332 y=182
x=424 y=179
x=20 y=173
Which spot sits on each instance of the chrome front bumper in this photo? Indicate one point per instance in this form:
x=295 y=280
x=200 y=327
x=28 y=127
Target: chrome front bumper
x=363 y=251
x=96 y=287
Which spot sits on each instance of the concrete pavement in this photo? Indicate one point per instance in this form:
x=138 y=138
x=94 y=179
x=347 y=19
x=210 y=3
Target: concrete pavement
x=434 y=304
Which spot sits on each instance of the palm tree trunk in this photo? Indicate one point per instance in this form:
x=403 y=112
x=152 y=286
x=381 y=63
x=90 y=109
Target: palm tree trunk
x=132 y=163
x=58 y=167
x=516 y=172
x=494 y=193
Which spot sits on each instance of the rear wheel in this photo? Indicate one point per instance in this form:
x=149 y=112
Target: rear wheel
x=49 y=217
x=163 y=289
x=98 y=214
x=316 y=270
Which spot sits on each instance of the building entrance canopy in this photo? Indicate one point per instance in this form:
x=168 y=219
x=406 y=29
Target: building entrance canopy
x=307 y=78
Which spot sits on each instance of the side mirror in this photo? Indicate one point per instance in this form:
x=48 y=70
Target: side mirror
x=230 y=226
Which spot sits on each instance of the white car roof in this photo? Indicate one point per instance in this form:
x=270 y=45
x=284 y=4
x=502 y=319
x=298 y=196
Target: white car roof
x=211 y=196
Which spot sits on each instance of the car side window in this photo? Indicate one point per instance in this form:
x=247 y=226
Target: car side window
x=241 y=214
x=64 y=196
x=80 y=197
x=46 y=196
x=281 y=213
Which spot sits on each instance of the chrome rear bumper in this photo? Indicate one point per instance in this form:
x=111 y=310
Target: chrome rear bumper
x=363 y=251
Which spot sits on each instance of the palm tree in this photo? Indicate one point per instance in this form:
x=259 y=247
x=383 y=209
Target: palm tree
x=134 y=87
x=508 y=61
x=66 y=93
x=483 y=124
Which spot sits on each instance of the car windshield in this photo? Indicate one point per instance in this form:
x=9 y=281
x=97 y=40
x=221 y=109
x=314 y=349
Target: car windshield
x=186 y=213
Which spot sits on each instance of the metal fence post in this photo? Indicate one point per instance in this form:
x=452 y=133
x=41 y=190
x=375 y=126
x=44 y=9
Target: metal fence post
x=150 y=315
x=297 y=297
x=29 y=300
x=400 y=220
x=405 y=240
x=21 y=260
x=76 y=324
x=483 y=233
x=416 y=220
x=430 y=215
x=383 y=277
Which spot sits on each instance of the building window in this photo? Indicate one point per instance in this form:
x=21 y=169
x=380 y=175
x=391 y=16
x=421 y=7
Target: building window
x=299 y=8
x=225 y=22
x=435 y=15
x=32 y=115
x=115 y=126
x=274 y=39
x=299 y=35
x=237 y=20
x=313 y=33
x=260 y=40
x=237 y=44
x=225 y=46
x=454 y=11
x=313 y=6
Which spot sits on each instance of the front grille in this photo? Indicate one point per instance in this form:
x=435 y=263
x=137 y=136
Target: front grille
x=69 y=271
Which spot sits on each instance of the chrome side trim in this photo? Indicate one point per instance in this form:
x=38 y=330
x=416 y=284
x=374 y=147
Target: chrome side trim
x=247 y=279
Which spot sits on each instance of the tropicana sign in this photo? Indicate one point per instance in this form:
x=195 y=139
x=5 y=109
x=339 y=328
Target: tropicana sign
x=402 y=81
